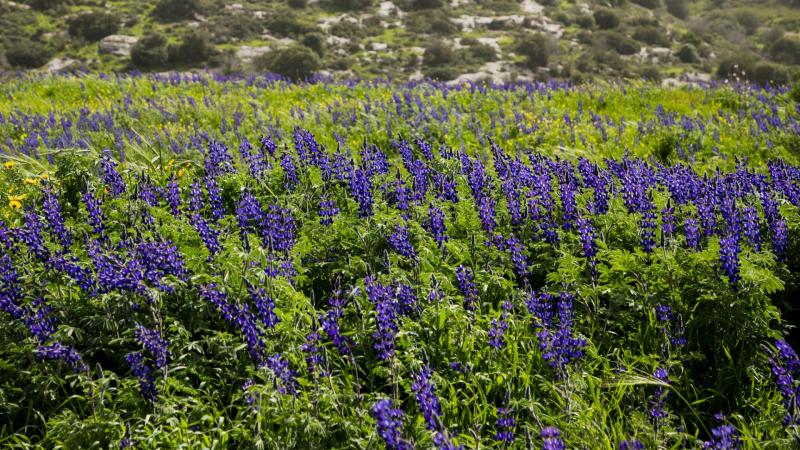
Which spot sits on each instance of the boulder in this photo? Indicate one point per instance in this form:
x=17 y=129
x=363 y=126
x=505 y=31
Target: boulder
x=118 y=45
x=61 y=65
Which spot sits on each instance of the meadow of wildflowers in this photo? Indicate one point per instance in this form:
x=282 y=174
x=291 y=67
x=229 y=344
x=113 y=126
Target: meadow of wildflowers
x=208 y=261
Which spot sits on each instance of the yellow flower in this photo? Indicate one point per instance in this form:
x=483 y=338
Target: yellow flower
x=15 y=201
x=33 y=181
x=9 y=165
x=180 y=173
x=45 y=176
x=170 y=162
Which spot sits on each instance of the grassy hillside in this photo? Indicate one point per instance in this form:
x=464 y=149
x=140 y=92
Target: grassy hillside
x=486 y=39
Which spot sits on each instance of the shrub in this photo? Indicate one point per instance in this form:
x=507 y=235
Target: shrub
x=298 y=4
x=426 y=4
x=92 y=26
x=150 y=51
x=620 y=43
x=482 y=52
x=194 y=48
x=749 y=21
x=175 y=10
x=469 y=41
x=27 y=54
x=735 y=66
x=652 y=36
x=314 y=41
x=296 y=62
x=44 y=5
x=785 y=50
x=585 y=21
x=687 y=54
x=437 y=53
x=443 y=73
x=766 y=73
x=649 y=4
x=606 y=19
x=534 y=49
x=651 y=73
x=433 y=21
x=286 y=24
x=678 y=8
x=351 y=5
x=239 y=26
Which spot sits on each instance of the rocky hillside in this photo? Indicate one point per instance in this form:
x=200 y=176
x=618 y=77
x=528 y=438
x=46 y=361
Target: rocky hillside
x=445 y=39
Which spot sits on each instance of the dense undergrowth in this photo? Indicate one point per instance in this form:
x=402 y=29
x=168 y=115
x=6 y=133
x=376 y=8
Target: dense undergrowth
x=205 y=262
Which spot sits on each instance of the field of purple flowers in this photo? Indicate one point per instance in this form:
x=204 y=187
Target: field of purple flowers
x=227 y=262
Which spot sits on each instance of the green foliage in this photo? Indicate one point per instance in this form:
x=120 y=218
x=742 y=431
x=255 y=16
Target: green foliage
x=687 y=54
x=652 y=35
x=176 y=10
x=534 y=48
x=606 y=19
x=785 y=50
x=150 y=51
x=618 y=42
x=650 y=4
x=678 y=8
x=286 y=24
x=297 y=62
x=314 y=41
x=93 y=26
x=437 y=53
x=351 y=5
x=195 y=47
x=27 y=54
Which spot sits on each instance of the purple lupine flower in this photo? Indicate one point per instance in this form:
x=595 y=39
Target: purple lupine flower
x=238 y=317
x=327 y=211
x=729 y=257
x=401 y=243
x=55 y=221
x=386 y=318
x=57 y=351
x=31 y=236
x=723 y=437
x=160 y=259
x=174 y=196
x=196 y=200
x=692 y=233
x=289 y=171
x=248 y=396
x=467 y=286
x=405 y=299
x=540 y=306
x=648 y=230
x=10 y=288
x=330 y=325
x=314 y=360
x=111 y=178
x=632 y=444
x=667 y=222
x=785 y=367
x=401 y=197
x=497 y=332
x=505 y=425
x=780 y=238
x=265 y=306
x=560 y=347
x=153 y=343
x=144 y=373
x=39 y=321
x=436 y=225
x=751 y=228
x=278 y=229
x=486 y=212
x=588 y=238
x=208 y=235
x=214 y=197
x=390 y=424
x=425 y=393
x=285 y=376
x=551 y=439
x=95 y=212
x=518 y=256
x=658 y=411
x=361 y=190
x=249 y=215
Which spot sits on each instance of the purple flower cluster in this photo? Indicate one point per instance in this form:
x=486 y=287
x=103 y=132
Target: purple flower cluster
x=238 y=317
x=390 y=424
x=632 y=444
x=57 y=351
x=140 y=369
x=786 y=372
x=111 y=178
x=436 y=225
x=327 y=211
x=55 y=221
x=551 y=439
x=330 y=324
x=467 y=286
x=285 y=376
x=401 y=243
x=154 y=344
x=505 y=425
x=387 y=317
x=498 y=329
x=658 y=406
x=558 y=342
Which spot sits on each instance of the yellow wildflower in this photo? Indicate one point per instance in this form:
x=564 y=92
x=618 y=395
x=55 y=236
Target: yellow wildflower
x=9 y=165
x=32 y=181
x=15 y=201
x=180 y=173
x=45 y=176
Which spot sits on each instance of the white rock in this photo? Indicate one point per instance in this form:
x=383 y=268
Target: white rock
x=60 y=65
x=531 y=7
x=118 y=44
x=247 y=53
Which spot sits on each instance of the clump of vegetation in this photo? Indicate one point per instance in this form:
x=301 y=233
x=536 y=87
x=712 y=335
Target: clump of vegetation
x=93 y=26
x=150 y=52
x=678 y=8
x=786 y=50
x=296 y=62
x=535 y=49
x=687 y=54
x=194 y=48
x=176 y=10
x=606 y=19
x=652 y=35
x=27 y=54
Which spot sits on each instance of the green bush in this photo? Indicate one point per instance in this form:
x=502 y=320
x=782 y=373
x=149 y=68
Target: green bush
x=652 y=36
x=426 y=4
x=585 y=21
x=45 y=5
x=443 y=73
x=437 y=53
x=314 y=41
x=175 y=10
x=92 y=26
x=296 y=62
x=606 y=19
x=239 y=26
x=749 y=21
x=286 y=24
x=732 y=66
x=27 y=54
x=297 y=4
x=687 y=54
x=482 y=52
x=150 y=52
x=434 y=21
x=535 y=50
x=195 y=47
x=619 y=42
x=678 y=8
x=651 y=73
x=785 y=50
x=650 y=4
x=766 y=73
x=351 y=5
